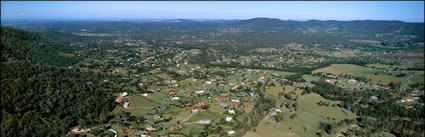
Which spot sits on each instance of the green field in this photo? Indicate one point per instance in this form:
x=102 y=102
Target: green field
x=140 y=106
x=355 y=70
x=309 y=113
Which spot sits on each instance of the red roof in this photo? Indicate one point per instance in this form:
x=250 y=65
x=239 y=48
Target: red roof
x=202 y=103
x=174 y=127
x=159 y=83
x=220 y=99
x=172 y=92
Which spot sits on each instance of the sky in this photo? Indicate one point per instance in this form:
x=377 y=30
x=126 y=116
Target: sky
x=411 y=11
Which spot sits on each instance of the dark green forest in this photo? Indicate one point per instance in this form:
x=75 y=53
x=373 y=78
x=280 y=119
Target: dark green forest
x=42 y=98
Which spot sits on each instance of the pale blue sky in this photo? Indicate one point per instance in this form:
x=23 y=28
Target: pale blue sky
x=296 y=10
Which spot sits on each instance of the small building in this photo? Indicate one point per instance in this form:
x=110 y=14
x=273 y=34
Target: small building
x=150 y=128
x=228 y=119
x=175 y=127
x=126 y=104
x=76 y=129
x=235 y=100
x=219 y=99
x=175 y=98
x=205 y=122
x=222 y=104
x=230 y=133
x=172 y=92
x=199 y=92
x=374 y=97
x=201 y=103
x=208 y=82
x=231 y=111
x=124 y=94
x=409 y=100
x=194 y=110
x=224 y=94
x=277 y=110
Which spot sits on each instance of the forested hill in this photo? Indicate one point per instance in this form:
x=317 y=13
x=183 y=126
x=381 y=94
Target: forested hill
x=22 y=45
x=326 y=26
x=41 y=99
x=357 y=26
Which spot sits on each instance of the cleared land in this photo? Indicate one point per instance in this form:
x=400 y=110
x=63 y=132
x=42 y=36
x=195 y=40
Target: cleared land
x=382 y=76
x=309 y=114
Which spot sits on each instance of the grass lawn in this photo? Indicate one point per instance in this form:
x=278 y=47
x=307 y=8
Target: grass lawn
x=205 y=115
x=141 y=106
x=310 y=78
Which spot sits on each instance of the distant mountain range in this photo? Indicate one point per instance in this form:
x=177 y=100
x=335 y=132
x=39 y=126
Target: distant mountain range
x=310 y=26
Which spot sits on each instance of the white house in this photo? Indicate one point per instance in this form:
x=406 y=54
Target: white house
x=126 y=104
x=228 y=119
x=231 y=111
x=199 y=92
x=175 y=98
x=235 y=100
x=230 y=132
x=124 y=94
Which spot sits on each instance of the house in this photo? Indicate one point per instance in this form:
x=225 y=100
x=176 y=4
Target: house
x=201 y=103
x=409 y=100
x=145 y=94
x=156 y=117
x=221 y=84
x=277 y=110
x=194 y=110
x=70 y=67
x=218 y=99
x=374 y=97
x=222 y=104
x=126 y=104
x=143 y=134
x=224 y=94
x=76 y=129
x=205 y=122
x=159 y=83
x=235 y=105
x=175 y=127
x=228 y=119
x=150 y=128
x=352 y=81
x=172 y=92
x=208 y=82
x=235 y=100
x=231 y=111
x=175 y=98
x=199 y=92
x=230 y=133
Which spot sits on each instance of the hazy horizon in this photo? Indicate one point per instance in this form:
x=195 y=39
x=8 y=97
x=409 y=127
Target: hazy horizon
x=411 y=11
